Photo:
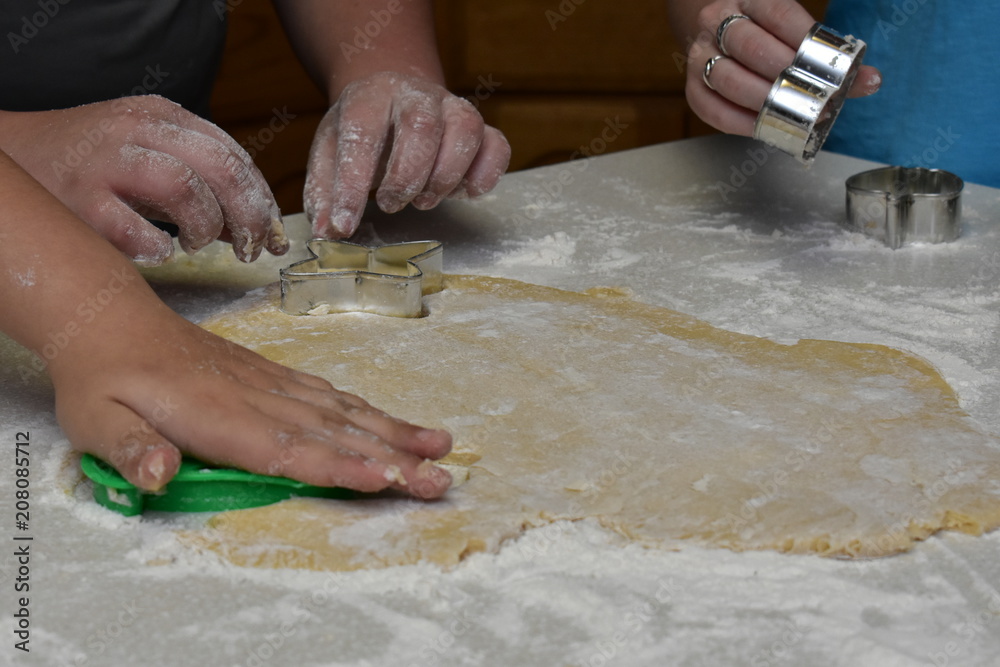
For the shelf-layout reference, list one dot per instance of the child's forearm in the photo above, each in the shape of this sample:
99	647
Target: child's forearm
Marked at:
341	42
60	279
138	385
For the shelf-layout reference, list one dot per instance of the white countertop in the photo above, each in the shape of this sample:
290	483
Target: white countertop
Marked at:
763	254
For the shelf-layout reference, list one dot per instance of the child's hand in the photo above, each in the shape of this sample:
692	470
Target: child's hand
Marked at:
136	384
412	139
160	386
114	162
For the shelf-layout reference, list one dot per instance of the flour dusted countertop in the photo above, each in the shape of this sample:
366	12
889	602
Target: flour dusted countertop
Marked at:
696	226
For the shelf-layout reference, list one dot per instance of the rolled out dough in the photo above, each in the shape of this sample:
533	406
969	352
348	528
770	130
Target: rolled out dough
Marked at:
657	425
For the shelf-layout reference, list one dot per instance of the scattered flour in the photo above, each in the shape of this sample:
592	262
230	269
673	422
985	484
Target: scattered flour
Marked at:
555	249
25	279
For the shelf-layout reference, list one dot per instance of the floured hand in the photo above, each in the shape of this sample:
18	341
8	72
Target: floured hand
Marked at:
114	162
409	138
182	389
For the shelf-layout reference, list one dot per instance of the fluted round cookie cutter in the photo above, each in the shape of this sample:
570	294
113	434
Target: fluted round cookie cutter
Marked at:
900	205
806	98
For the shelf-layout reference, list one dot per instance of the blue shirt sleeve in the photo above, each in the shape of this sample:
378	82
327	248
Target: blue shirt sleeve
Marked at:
940	98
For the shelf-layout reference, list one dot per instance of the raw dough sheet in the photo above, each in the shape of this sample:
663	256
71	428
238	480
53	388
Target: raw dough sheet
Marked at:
662	428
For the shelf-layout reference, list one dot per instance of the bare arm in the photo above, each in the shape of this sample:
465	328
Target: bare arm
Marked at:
399	38
393	127
137	384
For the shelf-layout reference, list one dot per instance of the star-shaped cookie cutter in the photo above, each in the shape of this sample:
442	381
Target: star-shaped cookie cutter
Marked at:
347	277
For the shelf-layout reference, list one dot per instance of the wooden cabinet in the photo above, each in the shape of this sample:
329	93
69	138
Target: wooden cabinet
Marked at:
560	78
561	72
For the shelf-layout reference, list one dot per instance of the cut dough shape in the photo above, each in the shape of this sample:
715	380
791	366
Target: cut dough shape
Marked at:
659	426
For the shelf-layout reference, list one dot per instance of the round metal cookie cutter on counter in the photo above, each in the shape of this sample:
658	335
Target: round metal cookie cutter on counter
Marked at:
900	205
805	99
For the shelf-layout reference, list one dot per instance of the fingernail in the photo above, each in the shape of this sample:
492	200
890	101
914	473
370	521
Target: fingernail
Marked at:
389	202
439	477
432	436
342	222
426	201
153	470
242	246
192	248
875	83
157	257
277	243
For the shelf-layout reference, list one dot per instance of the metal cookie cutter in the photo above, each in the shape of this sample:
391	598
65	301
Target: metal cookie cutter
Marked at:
805	99
347	277
901	205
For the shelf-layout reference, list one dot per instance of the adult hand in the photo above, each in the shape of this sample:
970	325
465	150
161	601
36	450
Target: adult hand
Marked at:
406	136
759	50
114	162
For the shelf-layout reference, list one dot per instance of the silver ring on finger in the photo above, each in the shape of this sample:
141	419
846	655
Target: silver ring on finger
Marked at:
720	34
707	73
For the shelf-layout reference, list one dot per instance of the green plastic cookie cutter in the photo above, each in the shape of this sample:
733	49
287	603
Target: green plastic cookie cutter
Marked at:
199	487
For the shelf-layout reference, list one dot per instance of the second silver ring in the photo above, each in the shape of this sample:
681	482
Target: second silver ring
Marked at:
707	73
720	34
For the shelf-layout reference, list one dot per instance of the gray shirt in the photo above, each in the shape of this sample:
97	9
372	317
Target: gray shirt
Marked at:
63	53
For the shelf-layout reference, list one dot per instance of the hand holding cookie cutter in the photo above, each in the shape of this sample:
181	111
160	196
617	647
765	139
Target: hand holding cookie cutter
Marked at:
805	99
347	277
